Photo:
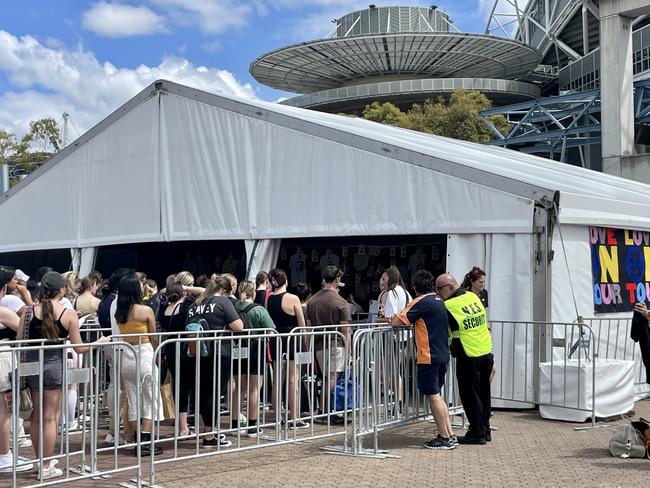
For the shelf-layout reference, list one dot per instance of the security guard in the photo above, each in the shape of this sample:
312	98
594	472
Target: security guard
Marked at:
471	345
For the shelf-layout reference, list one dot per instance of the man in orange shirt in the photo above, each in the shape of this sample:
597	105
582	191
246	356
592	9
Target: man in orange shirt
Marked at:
428	315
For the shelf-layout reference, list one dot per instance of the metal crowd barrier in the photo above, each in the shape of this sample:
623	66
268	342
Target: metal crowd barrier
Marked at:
536	362
612	341
347	383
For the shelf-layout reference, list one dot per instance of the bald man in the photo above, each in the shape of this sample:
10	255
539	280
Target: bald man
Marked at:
471	345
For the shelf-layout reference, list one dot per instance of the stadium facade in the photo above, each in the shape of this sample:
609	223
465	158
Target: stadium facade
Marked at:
398	54
539	61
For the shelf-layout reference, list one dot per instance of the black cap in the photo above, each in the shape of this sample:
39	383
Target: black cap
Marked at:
53	281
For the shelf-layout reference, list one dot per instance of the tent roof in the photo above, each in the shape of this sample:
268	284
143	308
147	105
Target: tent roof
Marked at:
143	173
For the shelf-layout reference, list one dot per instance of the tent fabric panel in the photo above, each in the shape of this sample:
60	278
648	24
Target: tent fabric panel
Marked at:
205	159
289	184
261	255
119	181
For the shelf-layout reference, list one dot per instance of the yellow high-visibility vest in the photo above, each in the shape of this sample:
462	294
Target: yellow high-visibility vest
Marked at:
471	317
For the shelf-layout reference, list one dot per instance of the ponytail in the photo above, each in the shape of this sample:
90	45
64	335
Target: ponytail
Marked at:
49	326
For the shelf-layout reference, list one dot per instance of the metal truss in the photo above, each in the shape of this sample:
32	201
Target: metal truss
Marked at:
551	126
540	23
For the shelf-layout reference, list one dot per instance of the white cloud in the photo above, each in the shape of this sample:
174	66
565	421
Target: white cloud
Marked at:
118	20
212	16
48	82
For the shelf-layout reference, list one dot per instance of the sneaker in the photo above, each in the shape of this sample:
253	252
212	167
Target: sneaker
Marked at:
110	440
235	432
472	438
50	472
24	442
23	465
254	432
216	442
454	440
298	424
440	443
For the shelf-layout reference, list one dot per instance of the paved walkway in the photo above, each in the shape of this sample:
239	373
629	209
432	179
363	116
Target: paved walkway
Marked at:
526	451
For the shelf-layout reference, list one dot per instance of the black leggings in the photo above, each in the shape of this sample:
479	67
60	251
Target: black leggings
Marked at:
185	379
211	389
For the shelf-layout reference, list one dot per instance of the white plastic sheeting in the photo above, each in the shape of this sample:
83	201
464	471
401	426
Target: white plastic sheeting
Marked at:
262	255
83	260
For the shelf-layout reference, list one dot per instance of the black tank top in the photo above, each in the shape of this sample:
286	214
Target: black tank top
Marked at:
36	328
282	320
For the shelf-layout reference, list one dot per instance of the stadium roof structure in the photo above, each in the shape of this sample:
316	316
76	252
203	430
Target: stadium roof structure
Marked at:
411	48
332	63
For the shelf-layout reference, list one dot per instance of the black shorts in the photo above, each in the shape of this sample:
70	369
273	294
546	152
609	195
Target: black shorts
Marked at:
256	360
431	378
289	349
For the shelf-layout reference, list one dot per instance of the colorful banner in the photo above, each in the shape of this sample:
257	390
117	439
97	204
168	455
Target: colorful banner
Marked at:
620	268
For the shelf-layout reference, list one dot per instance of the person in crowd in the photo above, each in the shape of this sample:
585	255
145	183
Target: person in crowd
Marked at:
132	317
249	379
429	316
9	322
327	307
474	281
34	289
105	322
142	277
216	312
185	278
202	281
53	323
354	307
42	271
149	290
173	319
396	296
71	289
87	303
471	345
262	287
16	297
285	310
233	284
303	291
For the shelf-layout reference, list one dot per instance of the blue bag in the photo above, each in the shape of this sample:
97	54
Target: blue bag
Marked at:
337	397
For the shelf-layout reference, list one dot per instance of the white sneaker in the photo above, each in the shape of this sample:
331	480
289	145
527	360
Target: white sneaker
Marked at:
23	465
242	432
110	439
50	472
24	442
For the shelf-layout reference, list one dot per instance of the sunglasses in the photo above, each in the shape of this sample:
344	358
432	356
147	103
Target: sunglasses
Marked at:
438	288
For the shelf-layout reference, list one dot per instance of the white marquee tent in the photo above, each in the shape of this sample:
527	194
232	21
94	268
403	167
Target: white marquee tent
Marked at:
214	167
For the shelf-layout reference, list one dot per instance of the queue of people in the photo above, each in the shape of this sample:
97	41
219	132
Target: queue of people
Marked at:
448	318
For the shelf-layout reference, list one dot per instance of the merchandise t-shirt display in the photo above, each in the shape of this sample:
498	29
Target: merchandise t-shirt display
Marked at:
218	312
229	265
328	259
416	262
327	307
13	302
298	268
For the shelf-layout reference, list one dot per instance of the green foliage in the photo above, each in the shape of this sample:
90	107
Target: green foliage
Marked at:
36	146
456	118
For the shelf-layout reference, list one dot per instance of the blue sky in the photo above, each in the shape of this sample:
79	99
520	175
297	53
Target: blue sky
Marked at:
88	57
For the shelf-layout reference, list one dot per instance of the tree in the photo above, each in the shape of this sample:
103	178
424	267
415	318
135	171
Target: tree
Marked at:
44	134
35	147
457	118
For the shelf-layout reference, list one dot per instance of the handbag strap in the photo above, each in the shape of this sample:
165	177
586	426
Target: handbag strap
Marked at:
29	315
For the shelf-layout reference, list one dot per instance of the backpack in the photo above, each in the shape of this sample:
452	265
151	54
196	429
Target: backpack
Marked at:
627	442
243	314
192	346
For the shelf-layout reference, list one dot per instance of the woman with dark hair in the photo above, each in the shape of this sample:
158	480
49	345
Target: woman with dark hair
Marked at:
53	323
395	291
134	318
285	310
173	319
303	291
474	281
216	312
261	287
